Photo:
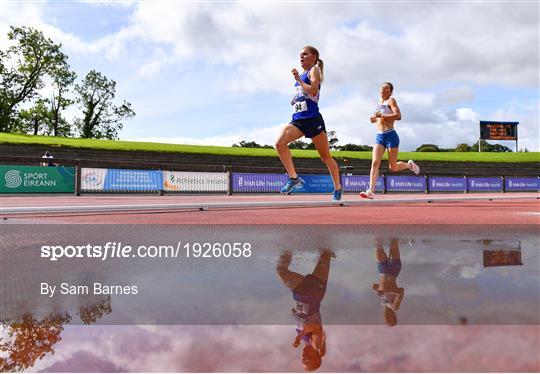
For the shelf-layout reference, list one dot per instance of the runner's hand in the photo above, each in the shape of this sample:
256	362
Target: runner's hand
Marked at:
296	75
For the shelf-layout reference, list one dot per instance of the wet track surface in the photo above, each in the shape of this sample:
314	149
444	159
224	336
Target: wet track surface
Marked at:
470	301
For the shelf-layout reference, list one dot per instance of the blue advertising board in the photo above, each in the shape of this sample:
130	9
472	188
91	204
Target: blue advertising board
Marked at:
316	183
133	180
485	184
522	184
357	183
450	184
399	183
252	182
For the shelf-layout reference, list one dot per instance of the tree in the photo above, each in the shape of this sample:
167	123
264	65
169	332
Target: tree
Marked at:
332	140
101	119
484	147
28	340
298	144
22	69
428	148
244	144
63	78
499	148
33	119
91	314
252	144
354	147
463	148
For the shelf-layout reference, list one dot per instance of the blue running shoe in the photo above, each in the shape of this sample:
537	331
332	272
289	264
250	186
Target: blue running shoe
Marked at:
291	185
336	196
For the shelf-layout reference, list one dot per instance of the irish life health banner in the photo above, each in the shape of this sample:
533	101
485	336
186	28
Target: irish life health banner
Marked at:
36	179
358	183
400	183
447	184
485	184
252	182
522	184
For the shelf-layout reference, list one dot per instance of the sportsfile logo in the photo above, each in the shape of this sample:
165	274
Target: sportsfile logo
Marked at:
13	179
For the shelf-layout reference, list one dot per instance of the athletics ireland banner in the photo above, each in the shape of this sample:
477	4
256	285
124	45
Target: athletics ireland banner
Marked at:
36	179
185	181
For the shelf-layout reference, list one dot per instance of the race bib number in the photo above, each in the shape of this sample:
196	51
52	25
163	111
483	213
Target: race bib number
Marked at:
300	106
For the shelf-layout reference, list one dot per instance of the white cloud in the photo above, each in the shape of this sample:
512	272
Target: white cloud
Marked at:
266	135
470	272
466	114
150	70
455	95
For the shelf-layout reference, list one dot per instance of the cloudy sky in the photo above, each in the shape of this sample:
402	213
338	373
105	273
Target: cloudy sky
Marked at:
219	72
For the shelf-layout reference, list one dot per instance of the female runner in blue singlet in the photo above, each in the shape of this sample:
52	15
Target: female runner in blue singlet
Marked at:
387	138
389	267
307	121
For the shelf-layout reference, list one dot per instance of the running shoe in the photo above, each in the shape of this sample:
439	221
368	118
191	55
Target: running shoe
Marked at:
292	184
367	194
336	196
415	168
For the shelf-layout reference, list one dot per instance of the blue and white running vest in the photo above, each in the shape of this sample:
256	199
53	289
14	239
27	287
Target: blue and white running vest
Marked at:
385	107
304	105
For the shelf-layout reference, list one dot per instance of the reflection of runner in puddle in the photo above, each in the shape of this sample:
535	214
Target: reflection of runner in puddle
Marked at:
387	289
308	292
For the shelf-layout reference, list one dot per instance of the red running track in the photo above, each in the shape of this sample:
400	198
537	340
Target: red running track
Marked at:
515	208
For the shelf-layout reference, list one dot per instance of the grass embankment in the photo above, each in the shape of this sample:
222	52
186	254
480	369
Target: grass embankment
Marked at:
117	145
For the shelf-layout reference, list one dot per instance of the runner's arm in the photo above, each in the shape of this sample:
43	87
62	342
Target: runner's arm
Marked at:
399	298
315	79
